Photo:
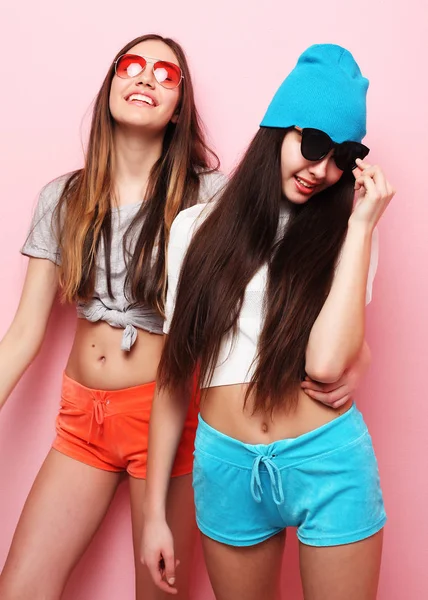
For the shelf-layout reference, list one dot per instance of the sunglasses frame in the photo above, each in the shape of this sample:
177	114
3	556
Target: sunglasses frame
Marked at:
333	145
149	61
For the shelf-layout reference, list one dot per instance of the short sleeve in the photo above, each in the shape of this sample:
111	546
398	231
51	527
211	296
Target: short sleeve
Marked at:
180	236
43	239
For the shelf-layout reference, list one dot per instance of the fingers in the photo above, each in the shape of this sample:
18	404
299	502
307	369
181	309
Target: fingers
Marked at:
390	189
361	164
316	386
365	180
377	176
162	572
158	578
329	398
359	172
342	401
375	172
356	172
331	394
169	569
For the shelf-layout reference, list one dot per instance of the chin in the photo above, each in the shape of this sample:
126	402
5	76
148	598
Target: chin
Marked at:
294	197
139	124
298	200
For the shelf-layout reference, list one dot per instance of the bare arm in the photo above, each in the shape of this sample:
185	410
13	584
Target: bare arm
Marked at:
24	337
338	333
166	425
338	393
167	420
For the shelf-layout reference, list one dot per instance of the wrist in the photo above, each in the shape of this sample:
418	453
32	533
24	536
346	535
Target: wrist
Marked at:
154	512
360	227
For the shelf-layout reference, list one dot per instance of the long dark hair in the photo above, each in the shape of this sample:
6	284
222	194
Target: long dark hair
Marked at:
236	239
173	186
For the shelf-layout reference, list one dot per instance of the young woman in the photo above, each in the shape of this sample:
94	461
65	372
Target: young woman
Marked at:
273	287
99	236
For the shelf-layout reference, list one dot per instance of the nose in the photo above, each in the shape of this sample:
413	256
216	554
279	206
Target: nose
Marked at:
319	168
146	77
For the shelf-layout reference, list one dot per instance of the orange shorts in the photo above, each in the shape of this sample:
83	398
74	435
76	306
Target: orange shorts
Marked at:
109	429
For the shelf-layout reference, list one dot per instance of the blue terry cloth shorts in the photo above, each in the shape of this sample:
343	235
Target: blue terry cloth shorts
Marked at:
325	483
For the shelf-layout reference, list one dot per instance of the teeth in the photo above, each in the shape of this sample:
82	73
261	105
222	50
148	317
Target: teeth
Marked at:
304	183
141	98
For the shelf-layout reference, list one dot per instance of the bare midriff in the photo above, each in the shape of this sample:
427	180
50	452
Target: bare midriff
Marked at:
223	409
97	361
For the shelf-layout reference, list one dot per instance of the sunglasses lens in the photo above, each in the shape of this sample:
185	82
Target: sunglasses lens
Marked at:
347	153
315	144
167	74
130	65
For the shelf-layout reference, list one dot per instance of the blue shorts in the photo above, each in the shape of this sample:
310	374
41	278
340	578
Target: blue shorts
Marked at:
325	483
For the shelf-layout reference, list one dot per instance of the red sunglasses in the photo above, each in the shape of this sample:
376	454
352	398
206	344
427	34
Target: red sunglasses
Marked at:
167	74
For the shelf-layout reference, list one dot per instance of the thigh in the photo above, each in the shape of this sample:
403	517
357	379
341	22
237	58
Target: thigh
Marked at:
337	572
65	506
250	572
181	519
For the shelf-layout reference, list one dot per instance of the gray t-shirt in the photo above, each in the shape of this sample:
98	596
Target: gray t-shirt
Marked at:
42	242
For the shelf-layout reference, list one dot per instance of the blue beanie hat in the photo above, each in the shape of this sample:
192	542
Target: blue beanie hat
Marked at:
326	91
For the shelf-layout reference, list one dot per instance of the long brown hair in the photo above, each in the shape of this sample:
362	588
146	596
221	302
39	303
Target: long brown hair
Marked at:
238	237
84	209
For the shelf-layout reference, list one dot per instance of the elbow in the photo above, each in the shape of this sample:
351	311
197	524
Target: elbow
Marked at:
324	369
324	374
25	340
328	364
34	349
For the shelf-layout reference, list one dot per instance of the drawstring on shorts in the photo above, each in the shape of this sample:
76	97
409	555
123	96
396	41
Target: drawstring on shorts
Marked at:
275	479
98	411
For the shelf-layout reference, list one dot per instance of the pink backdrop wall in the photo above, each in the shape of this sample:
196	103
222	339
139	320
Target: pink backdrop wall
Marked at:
54	56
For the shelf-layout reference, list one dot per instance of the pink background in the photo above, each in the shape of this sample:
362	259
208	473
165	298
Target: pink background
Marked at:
54	57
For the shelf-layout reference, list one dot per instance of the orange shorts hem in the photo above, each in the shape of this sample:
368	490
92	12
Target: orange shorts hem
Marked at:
109	430
70	450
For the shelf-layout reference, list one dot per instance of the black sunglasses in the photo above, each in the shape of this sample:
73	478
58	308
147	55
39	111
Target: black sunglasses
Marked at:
316	145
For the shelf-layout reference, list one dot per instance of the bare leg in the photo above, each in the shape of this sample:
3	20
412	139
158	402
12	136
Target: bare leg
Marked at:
251	572
63	511
181	520
338	572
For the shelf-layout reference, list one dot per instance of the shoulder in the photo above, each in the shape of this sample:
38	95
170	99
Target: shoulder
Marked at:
187	221
211	184
51	192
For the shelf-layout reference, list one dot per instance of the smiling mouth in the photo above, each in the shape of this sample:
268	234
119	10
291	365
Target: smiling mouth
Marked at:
141	99
306	184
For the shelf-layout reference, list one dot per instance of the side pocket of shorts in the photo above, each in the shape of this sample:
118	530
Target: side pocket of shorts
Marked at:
71	418
343	500
198	479
211	477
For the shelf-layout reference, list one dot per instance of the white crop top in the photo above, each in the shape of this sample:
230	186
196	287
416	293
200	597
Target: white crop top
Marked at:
237	353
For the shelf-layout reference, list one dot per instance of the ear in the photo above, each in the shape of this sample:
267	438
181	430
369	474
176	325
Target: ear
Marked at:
175	116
